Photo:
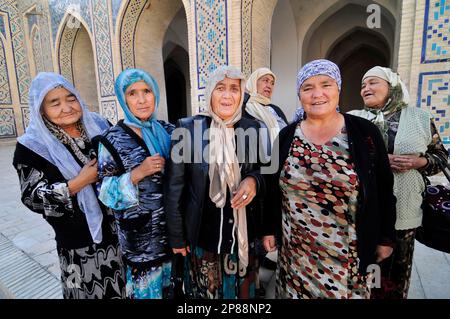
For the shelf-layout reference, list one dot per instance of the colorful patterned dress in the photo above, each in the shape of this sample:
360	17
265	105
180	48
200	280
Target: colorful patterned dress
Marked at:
318	258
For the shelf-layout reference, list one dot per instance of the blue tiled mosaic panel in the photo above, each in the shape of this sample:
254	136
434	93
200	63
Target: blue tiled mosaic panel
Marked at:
2	26
7	123
109	111
211	33
434	95
17	38
436	35
103	47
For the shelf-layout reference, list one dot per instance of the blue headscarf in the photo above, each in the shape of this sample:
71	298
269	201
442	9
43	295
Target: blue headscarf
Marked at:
313	68
41	141
155	136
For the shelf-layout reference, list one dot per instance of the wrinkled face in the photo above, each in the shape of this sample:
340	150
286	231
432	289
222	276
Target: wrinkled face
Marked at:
319	96
264	85
61	107
140	100
226	98
375	92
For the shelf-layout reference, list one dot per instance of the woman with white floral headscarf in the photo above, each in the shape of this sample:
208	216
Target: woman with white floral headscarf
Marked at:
210	199
331	198
414	149
57	167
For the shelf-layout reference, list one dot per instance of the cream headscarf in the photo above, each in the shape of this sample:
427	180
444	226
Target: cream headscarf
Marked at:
224	168
257	103
398	99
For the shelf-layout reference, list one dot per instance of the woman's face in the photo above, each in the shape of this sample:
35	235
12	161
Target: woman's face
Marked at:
226	98
140	100
319	96
61	107
375	92
264	85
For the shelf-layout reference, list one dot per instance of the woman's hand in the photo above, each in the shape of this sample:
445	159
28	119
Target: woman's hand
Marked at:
383	252
149	166
182	251
245	193
88	175
403	163
269	243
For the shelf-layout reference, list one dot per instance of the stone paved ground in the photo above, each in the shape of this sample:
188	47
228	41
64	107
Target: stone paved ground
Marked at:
33	237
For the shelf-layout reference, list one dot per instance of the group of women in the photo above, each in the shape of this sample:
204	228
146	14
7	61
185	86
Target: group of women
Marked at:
125	199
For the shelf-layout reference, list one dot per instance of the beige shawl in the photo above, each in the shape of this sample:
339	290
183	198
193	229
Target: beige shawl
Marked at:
224	171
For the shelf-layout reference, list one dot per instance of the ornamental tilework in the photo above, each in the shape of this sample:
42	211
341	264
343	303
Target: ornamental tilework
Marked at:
212	38
103	47
37	50
434	95
436	35
127	31
246	31
58	9
2	26
7	123
25	116
65	52
18	42
109	111
5	91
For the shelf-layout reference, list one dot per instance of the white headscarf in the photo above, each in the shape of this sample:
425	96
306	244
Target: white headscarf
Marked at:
39	139
257	103
389	76
224	171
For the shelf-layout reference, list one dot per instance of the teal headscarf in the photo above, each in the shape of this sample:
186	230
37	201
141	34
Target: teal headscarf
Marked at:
155	136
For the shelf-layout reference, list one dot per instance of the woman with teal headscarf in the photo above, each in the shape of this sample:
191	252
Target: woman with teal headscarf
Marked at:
131	162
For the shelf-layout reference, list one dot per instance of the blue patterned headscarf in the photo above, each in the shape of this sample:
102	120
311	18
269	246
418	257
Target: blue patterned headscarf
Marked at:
155	136
313	68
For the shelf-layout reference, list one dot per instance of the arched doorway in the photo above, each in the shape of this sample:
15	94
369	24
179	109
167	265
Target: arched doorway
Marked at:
356	53
144	30
84	69
76	60
175	90
176	68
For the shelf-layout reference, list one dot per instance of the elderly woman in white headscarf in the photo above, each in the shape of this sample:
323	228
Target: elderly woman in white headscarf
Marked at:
257	102
331	197
211	192
57	167
257	106
414	149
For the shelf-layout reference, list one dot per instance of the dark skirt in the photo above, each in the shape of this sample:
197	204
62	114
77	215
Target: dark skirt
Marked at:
396	270
218	276
93	272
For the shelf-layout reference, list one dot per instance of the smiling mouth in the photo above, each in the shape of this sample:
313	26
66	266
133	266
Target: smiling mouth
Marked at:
319	103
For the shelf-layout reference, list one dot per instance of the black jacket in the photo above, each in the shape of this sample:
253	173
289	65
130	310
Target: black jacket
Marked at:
375	218
187	182
248	116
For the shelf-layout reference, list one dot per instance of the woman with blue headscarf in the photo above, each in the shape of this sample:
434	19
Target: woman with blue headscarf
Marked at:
131	162
333	195
55	160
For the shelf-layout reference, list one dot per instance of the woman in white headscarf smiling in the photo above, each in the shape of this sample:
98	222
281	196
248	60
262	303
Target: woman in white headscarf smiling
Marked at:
55	160
414	149
210	201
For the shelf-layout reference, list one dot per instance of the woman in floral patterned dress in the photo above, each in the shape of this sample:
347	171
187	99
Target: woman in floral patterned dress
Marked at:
335	196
